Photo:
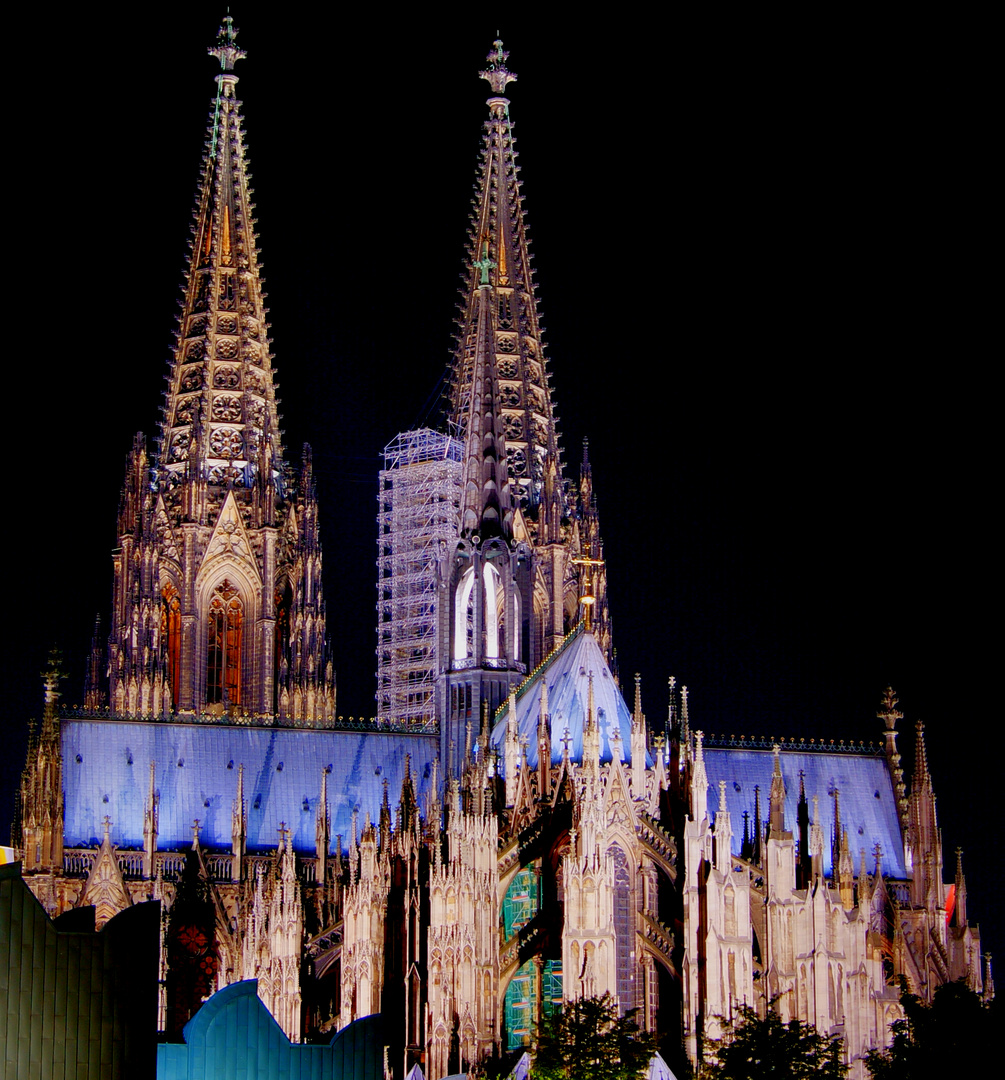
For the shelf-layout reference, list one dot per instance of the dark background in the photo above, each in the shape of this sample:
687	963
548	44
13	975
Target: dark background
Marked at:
763	265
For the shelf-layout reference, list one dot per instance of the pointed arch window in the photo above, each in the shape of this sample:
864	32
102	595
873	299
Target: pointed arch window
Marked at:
495	611
171	637
623	927
284	604
730	911
223	646
464	616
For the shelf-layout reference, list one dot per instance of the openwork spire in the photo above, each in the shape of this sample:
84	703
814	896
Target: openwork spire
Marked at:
220	425
500	401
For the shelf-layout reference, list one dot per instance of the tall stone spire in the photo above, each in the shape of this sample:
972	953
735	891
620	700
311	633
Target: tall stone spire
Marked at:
220	425
217	605
499	399
890	714
40	802
926	837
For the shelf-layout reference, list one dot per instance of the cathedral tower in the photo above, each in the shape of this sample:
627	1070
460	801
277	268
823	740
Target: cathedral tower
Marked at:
217	575
510	580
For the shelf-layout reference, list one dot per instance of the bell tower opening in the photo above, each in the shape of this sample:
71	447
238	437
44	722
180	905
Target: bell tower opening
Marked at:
223	646
171	637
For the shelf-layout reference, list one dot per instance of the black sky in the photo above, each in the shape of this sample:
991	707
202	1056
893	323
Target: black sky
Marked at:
762	264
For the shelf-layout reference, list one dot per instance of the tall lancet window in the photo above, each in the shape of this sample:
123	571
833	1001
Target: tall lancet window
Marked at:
495	612
223	645
464	616
171	637
624	928
284	602
515	654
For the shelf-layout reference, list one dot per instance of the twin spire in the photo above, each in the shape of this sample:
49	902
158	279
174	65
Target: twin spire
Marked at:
500	400
220	423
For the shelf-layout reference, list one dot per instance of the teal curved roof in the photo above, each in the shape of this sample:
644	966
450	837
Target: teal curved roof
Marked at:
235	1037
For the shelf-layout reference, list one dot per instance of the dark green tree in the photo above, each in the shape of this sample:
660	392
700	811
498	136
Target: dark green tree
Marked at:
954	1036
771	1048
587	1040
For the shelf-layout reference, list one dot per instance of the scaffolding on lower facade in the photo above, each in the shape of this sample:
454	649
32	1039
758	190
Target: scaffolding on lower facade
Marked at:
420	487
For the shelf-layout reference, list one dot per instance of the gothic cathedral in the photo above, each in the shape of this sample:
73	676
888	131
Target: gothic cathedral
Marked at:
507	835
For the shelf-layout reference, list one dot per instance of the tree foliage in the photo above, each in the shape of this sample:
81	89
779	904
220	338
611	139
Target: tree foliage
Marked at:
771	1048
954	1036
587	1040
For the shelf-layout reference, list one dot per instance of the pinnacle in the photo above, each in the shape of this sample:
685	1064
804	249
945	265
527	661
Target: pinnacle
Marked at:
497	75
226	49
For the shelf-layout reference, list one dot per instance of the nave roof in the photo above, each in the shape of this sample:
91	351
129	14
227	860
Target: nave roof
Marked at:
196	773
868	805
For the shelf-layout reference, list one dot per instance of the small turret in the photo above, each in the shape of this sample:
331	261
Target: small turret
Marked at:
150	823
776	828
723	833
890	714
41	797
816	843
638	743
845	874
322	831
959	916
544	745
758	833
94	697
699	782
804	865
511	751
925	836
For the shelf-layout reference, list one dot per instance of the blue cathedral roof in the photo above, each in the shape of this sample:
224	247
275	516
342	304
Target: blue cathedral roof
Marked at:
867	799
106	772
567	675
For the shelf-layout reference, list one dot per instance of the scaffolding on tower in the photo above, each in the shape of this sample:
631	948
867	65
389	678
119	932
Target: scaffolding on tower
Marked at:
419	497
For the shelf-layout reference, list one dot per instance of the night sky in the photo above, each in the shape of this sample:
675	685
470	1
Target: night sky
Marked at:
760	254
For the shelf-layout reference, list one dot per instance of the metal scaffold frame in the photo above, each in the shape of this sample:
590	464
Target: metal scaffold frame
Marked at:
419	497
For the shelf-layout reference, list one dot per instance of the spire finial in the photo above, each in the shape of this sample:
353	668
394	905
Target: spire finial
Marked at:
497	75
888	711
226	49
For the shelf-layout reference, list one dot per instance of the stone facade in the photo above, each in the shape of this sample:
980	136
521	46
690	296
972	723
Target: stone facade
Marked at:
538	843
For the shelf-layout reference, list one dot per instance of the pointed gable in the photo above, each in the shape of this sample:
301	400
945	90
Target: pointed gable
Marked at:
229	541
105	889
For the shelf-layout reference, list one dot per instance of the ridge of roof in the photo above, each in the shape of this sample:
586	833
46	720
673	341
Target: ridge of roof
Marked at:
769	742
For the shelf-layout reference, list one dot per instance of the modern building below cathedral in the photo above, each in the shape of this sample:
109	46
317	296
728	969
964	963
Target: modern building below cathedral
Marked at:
507	835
